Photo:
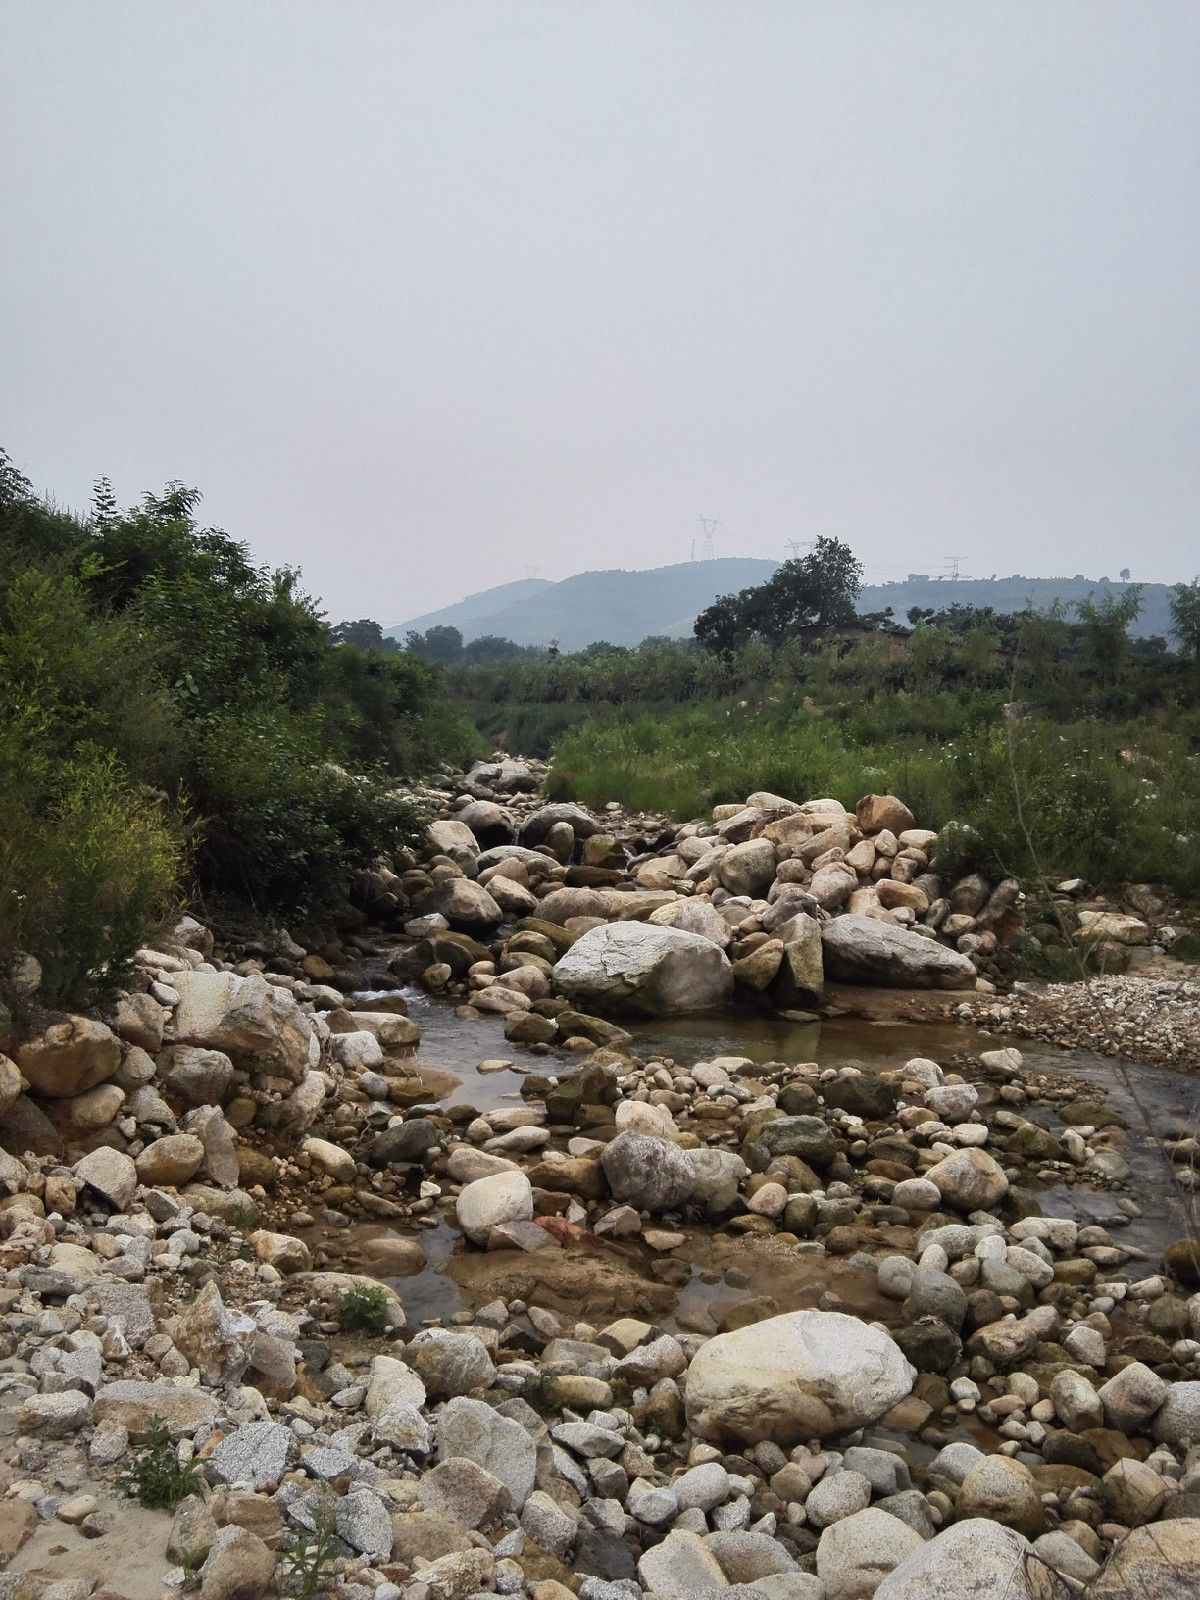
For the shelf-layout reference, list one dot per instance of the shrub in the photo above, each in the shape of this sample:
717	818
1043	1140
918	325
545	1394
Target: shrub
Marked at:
155	1476
362	1310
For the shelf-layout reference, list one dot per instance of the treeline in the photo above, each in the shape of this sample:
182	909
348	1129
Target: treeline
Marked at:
177	722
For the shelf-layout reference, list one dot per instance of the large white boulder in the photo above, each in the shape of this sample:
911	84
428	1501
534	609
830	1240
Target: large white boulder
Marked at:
799	1376
489	1202
257	1024
634	967
865	950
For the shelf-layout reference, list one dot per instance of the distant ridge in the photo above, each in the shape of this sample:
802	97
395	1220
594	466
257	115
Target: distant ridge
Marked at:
627	607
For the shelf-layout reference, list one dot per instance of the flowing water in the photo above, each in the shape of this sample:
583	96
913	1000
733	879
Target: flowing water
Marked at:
714	1267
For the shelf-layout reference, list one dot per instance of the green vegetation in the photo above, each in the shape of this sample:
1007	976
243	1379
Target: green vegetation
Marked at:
154	1476
176	722
362	1310
308	1554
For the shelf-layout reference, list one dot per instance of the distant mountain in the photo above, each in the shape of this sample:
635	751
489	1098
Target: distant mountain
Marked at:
627	607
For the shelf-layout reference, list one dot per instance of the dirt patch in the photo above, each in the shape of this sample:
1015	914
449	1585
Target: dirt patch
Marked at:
592	1283
129	1560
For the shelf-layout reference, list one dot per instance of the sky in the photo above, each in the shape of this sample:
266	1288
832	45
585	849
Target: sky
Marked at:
430	296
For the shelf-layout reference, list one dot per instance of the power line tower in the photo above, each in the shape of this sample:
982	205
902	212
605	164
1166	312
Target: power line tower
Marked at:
710	526
794	547
952	563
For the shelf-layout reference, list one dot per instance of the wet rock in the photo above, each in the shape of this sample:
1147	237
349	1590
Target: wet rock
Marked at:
809	1138
649	1173
636	968
794	1377
465	904
407	1142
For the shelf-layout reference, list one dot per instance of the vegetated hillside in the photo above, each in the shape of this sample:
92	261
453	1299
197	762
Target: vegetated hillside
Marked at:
466	615
627	607
622	607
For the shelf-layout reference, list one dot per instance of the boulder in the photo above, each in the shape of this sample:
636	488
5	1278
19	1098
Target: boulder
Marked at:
860	949
1003	1490
488	1202
69	1057
473	1430
803	1375
748	868
198	1077
465	904
637	968
856	1552
171	1160
875	812
449	838
258	1025
974	1560
538	823
695	916
647	1172
1159	1562
111	1174
969	1180
212	1336
449	1363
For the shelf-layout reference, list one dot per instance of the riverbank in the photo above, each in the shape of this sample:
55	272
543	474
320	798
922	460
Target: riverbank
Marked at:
1151	1020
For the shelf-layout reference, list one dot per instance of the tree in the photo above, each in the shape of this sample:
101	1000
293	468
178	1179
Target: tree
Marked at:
364	633
817	590
1106	629
1185	618
435	644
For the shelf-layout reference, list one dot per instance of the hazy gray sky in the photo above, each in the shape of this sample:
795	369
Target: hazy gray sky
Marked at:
424	295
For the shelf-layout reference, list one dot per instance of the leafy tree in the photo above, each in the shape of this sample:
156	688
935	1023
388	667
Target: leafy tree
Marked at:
1106	629
1185	618
364	633
816	590
435	644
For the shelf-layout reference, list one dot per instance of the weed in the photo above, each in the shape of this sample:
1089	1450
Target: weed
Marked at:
155	1475
539	1392
308	1554
362	1310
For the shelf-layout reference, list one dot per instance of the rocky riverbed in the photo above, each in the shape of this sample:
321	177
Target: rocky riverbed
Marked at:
493	1294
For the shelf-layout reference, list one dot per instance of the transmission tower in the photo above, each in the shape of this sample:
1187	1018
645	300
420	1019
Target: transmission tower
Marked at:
710	526
952	562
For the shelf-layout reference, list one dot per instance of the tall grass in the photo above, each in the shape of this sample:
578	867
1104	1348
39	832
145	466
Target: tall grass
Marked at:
1104	802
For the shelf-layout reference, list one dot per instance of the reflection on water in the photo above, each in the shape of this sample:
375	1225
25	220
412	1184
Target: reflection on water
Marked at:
1169	1100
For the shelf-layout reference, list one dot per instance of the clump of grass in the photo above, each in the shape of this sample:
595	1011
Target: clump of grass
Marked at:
155	1476
362	1310
308	1554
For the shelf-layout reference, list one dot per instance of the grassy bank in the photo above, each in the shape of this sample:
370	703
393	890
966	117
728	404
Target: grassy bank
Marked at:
1103	801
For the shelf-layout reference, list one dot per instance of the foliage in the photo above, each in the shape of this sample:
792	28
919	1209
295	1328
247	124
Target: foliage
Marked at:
154	1474
362	1310
818	590
1185	617
308	1554
175	719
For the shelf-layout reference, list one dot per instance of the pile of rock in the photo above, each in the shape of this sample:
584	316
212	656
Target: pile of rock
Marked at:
639	915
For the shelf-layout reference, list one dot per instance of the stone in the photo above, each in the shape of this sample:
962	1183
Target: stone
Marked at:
1160	1562
681	1566
701	1488
258	1455
212	1337
406	1143
183	1407
281	1251
716	1179
1076	1401
1003	1490
647	1172
969	1180
858	1551
171	1160
458	1574
861	949
198	1077
449	1363
790	1378
974	1560
490	1202
110	1173
257	1024
748	868
1177	1420
1132	1397
239	1566
473	1430
69	1057
629	967
875	812
87	1112
809	1138
55	1416
18	1519
838	1495
549	1523
1133	1492
747	1555
192	1531
466	905
466	1492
